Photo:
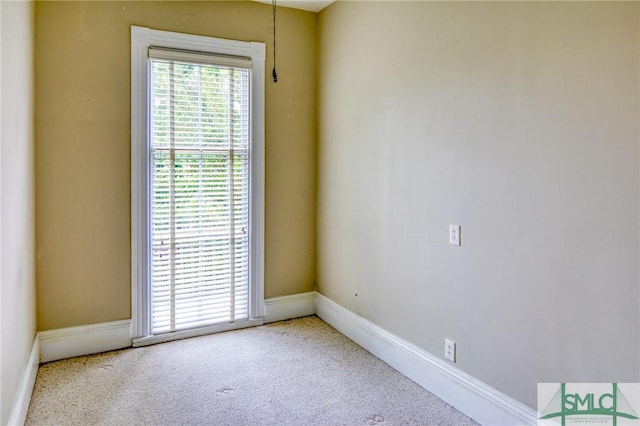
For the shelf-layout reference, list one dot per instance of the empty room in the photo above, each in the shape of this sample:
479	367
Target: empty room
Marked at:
320	212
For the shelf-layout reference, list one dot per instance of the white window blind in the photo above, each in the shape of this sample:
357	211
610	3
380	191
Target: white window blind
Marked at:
200	139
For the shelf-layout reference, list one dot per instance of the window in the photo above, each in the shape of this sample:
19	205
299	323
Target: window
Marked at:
197	185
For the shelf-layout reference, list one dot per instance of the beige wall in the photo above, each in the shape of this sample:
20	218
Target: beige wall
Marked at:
517	121
17	225
83	148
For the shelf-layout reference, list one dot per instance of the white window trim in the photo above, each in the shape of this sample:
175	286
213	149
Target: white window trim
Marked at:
141	39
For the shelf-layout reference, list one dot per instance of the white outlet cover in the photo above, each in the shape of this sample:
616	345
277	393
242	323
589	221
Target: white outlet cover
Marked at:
450	350
454	235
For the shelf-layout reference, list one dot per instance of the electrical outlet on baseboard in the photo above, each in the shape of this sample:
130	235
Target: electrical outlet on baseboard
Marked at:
450	350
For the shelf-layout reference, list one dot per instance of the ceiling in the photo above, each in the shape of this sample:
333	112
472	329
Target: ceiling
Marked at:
310	5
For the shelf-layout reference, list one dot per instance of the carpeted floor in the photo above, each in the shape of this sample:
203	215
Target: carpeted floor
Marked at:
298	372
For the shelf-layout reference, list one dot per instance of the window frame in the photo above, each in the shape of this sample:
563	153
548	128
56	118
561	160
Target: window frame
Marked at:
141	39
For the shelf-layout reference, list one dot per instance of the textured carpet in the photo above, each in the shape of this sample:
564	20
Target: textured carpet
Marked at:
298	372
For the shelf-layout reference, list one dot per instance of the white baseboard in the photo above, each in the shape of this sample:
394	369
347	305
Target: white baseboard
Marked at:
288	307
84	340
474	398
25	388
95	338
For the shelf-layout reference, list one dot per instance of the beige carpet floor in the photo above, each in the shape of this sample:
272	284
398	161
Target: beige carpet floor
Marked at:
298	372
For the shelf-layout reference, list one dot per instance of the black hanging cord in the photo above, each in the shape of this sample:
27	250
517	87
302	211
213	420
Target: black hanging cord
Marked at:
274	74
